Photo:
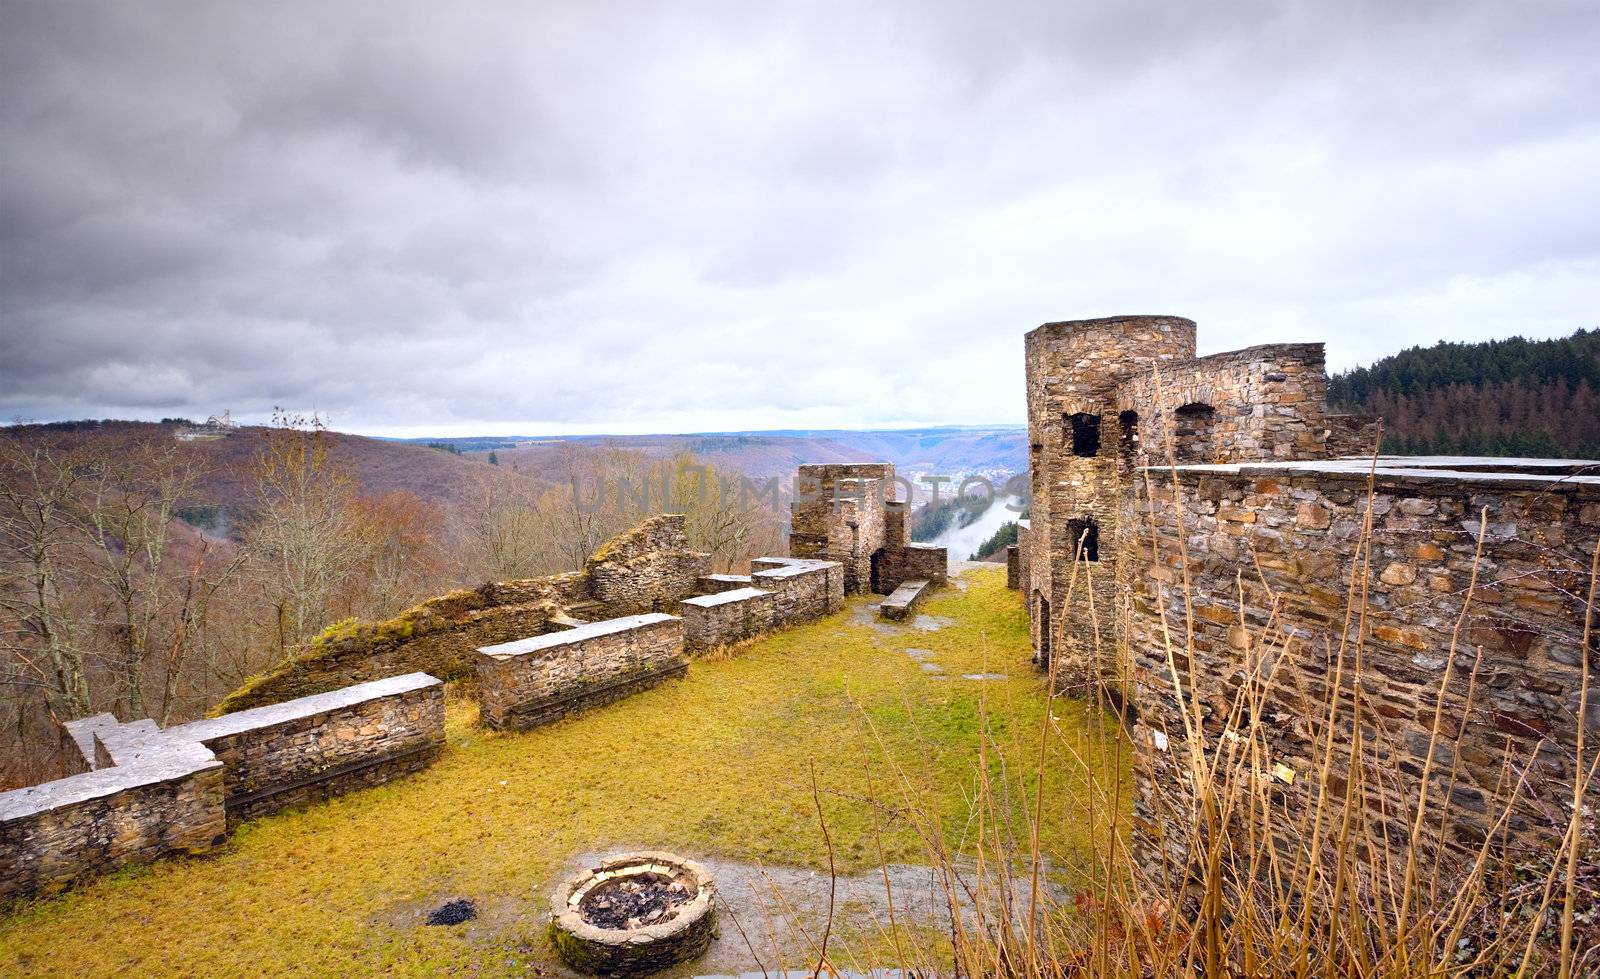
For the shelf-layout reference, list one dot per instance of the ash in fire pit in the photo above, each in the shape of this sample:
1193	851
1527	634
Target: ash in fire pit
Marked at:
629	902
634	914
453	913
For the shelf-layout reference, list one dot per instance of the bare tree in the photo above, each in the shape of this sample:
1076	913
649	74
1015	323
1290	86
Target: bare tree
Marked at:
40	481
304	537
126	513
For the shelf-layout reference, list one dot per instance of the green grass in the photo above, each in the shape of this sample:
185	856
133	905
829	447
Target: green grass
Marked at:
713	764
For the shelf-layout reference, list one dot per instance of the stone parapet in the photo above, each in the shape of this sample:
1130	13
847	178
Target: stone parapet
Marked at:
541	679
722	619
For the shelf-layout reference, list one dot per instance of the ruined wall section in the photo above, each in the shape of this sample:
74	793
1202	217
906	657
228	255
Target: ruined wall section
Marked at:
839	516
1260	403
320	746
1074	371
1289	537
147	792
649	568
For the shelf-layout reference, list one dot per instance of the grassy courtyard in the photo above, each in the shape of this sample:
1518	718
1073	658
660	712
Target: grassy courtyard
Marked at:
716	764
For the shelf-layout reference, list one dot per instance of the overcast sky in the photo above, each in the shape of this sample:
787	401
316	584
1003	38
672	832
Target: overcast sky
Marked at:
458	218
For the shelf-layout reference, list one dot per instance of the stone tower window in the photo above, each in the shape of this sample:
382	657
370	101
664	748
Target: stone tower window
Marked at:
1194	433
1084	538
1085	434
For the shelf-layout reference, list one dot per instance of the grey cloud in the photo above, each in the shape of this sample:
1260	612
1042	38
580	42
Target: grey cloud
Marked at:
498	216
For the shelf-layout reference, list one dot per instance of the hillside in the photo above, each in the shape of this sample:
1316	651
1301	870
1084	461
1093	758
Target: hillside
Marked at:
378	466
1500	397
943	450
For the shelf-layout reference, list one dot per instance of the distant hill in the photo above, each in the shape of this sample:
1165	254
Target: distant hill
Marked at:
1501	397
942	450
379	466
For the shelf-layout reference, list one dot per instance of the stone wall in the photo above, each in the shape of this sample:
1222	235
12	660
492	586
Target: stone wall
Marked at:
925	562
722	619
803	589
649	568
1263	402
148	792
1269	553
541	679
57	832
319	746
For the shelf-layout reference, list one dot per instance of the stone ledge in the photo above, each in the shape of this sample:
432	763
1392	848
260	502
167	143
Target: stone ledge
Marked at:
179	760
727	597
289	710
900	604
553	640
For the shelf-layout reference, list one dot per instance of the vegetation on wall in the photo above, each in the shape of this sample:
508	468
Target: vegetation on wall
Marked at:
1499	397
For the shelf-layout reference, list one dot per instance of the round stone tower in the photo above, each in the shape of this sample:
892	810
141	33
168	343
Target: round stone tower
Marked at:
1082	453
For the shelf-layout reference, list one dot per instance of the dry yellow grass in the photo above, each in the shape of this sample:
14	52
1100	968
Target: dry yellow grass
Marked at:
714	764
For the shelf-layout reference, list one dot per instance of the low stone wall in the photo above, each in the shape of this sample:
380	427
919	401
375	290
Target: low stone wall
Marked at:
1013	568
538	680
1269	554
57	832
148	792
805	589
725	618
925	562
319	746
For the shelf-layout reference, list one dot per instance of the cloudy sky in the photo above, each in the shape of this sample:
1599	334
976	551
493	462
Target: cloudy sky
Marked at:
463	218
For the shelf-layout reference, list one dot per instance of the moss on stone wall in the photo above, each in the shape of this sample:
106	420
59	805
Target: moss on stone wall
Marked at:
648	568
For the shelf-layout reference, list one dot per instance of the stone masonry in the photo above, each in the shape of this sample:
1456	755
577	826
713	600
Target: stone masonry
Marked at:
1270	555
144	793
1167	485
540	679
847	512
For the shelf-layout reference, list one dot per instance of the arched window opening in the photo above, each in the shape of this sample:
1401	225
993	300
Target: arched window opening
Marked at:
1194	433
1085	433
1084	536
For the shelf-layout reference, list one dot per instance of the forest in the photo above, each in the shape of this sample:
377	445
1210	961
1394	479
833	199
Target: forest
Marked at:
149	576
1500	397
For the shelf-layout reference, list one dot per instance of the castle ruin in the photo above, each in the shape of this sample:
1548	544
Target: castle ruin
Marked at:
1203	524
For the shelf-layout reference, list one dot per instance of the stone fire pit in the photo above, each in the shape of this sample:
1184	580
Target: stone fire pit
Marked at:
633	914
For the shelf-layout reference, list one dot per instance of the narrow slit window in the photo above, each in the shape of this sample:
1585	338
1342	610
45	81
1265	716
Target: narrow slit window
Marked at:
1128	433
1085	429
1194	433
1085	539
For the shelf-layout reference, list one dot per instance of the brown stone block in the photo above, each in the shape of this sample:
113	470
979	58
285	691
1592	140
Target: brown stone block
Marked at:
1423	551
1399	574
1403	637
1312	516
